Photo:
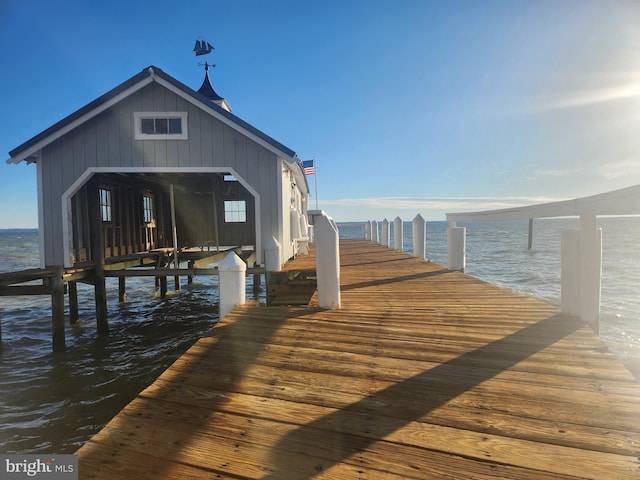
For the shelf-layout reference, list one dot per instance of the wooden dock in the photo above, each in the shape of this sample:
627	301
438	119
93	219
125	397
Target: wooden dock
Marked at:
424	373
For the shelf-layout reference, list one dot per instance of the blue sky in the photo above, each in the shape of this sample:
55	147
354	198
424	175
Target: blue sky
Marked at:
408	106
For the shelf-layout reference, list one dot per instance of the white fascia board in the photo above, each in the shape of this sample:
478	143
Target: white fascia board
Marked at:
79	121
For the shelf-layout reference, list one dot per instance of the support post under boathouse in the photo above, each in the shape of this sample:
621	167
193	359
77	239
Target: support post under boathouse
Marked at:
98	256
188	182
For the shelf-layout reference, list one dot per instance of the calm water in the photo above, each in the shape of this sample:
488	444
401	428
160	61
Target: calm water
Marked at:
54	403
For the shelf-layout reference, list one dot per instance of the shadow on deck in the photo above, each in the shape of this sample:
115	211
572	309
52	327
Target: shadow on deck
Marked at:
425	373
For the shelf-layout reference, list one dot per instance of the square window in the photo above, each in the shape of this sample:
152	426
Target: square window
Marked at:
235	211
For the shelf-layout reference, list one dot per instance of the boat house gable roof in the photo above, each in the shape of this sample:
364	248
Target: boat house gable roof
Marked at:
28	151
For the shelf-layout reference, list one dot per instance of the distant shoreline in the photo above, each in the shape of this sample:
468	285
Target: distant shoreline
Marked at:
18	230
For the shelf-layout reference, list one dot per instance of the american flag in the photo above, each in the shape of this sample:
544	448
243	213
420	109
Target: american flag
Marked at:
308	167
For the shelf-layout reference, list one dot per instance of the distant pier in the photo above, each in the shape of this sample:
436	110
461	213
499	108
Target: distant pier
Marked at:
423	372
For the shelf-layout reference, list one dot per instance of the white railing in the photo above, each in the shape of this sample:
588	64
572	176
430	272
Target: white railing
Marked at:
581	251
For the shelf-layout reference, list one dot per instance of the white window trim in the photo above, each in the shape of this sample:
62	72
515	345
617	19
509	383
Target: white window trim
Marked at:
137	126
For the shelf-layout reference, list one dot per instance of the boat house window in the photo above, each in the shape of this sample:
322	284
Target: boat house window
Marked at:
105	205
160	125
147	208
235	211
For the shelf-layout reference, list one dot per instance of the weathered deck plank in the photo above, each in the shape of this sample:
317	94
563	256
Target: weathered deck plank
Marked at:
424	373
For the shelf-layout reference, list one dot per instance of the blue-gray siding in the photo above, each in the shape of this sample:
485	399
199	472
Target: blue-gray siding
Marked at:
107	140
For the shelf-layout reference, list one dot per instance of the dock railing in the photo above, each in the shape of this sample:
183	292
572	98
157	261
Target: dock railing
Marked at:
581	248
418	233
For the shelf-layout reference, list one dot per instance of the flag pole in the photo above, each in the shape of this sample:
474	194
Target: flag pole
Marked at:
315	179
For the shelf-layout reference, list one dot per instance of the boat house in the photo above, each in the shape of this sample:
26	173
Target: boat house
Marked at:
153	165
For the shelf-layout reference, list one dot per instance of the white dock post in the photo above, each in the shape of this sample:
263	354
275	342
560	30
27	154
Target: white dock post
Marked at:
419	230
590	271
272	256
367	230
456	248
398	233
232	284
374	231
581	276
569	271
386	237
327	259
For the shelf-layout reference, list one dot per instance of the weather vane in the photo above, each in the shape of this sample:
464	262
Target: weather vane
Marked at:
202	47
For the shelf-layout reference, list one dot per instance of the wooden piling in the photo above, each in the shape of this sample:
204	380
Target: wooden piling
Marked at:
190	264
57	310
100	290
530	243
122	290
97	255
163	287
74	315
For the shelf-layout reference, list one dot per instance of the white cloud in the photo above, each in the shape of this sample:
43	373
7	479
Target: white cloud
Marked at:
438	203
587	89
561	172
626	168
589	97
